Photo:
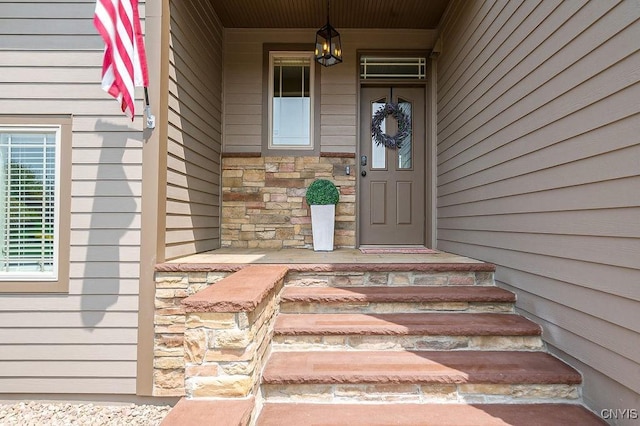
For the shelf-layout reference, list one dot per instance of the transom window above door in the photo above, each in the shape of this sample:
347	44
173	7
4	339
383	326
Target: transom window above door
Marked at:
291	100
392	67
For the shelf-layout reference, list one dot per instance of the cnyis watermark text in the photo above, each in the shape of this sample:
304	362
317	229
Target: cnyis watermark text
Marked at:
619	414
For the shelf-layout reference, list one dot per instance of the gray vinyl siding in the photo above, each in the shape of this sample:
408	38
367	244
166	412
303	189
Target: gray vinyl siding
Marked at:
195	125
538	159
338	85
83	341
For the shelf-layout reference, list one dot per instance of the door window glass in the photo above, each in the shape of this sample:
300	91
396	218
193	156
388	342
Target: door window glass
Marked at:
378	152
405	150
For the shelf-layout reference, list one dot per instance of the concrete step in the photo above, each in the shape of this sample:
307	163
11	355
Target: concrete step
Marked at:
397	299
419	376
431	331
426	415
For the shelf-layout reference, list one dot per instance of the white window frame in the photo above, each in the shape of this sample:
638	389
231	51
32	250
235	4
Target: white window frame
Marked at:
292	54
44	276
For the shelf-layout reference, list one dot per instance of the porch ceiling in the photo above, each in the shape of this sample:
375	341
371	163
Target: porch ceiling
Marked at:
414	14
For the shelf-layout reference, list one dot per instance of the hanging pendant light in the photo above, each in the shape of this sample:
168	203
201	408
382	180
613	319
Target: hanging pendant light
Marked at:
328	44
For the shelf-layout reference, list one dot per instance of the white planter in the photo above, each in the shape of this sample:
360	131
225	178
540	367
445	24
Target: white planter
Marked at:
323	225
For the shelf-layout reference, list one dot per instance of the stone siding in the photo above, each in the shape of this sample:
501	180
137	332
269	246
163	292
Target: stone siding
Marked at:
212	351
390	278
170	325
422	393
225	352
264	206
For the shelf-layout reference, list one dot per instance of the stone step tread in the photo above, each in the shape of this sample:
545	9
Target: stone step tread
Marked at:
487	367
430	324
413	294
277	414
198	412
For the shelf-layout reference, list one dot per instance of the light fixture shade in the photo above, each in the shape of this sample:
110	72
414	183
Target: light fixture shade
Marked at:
328	46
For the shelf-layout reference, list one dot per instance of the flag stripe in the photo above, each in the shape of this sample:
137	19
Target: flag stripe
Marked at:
125	64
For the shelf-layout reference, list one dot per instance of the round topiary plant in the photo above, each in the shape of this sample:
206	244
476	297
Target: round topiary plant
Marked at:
322	191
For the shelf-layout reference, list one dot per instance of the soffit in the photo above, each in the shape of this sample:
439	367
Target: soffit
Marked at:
413	14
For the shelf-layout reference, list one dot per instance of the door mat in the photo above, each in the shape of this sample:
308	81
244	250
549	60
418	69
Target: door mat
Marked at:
398	250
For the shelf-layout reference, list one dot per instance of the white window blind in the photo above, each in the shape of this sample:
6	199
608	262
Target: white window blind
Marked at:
291	104
28	179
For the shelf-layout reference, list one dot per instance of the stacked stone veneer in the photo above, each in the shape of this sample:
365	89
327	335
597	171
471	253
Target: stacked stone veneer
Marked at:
403	275
172	287
218	351
214	343
264	206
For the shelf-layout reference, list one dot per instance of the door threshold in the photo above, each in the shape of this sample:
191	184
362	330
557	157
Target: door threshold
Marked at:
368	246
399	249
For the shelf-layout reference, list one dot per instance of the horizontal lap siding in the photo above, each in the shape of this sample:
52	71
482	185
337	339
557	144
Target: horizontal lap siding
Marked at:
338	84
195	129
83	341
539	170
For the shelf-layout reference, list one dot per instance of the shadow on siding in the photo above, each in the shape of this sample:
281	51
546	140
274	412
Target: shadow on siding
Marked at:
113	211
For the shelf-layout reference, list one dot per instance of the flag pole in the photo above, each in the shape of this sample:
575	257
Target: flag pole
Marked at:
151	119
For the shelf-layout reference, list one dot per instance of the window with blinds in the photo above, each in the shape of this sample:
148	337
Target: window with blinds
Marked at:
28	202
291	100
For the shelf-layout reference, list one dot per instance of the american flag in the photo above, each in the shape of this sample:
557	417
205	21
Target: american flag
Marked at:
125	62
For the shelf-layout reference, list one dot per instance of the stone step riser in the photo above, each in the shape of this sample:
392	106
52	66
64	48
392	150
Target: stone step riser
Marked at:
295	413
421	393
394	307
402	278
398	343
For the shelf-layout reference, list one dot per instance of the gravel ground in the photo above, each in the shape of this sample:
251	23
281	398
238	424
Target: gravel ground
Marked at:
64	414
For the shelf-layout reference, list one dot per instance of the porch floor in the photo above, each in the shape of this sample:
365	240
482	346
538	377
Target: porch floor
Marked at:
306	256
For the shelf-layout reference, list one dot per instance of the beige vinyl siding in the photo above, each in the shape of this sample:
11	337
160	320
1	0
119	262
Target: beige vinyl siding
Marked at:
195	124
83	341
338	93
539	170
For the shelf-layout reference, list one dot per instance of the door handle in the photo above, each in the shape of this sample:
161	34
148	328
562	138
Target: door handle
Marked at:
363	160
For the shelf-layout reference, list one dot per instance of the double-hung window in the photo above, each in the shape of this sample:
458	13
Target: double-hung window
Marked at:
30	201
291	100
